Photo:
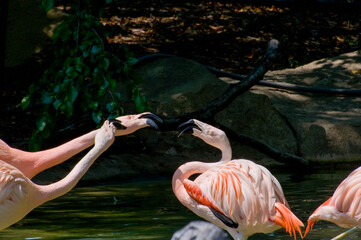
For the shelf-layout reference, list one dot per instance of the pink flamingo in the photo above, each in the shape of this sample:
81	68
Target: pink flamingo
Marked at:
31	163
239	196
344	207
19	195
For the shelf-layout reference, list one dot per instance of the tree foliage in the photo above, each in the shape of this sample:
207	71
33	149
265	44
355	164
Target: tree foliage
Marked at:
83	77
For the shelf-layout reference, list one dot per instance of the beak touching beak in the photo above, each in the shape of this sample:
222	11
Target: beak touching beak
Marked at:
128	124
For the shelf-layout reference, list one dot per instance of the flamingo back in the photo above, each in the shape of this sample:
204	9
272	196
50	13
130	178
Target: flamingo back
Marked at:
347	197
245	192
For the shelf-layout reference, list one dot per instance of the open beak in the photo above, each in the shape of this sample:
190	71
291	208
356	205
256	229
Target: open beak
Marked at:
152	120
188	127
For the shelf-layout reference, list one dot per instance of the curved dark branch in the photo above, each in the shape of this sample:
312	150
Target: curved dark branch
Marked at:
207	112
218	104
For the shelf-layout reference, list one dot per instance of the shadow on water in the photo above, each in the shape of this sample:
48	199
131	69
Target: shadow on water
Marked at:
149	210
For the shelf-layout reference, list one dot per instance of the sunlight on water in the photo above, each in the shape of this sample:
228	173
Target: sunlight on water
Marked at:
148	210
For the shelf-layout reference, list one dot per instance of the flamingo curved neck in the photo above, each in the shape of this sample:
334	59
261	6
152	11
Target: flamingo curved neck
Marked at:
49	158
31	163
184	172
63	186
226	154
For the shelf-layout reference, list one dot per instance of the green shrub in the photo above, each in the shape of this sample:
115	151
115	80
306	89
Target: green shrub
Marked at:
83	77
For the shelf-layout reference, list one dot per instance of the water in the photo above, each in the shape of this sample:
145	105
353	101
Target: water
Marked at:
149	210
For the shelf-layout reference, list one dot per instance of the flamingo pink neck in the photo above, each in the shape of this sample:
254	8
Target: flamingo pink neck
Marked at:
63	186
31	163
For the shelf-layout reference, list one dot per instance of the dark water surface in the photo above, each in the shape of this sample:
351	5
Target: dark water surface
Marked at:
149	210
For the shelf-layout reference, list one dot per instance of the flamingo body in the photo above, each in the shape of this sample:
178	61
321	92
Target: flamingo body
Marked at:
239	196
344	207
16	195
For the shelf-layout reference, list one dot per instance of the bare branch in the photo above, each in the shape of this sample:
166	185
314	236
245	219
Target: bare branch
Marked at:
218	104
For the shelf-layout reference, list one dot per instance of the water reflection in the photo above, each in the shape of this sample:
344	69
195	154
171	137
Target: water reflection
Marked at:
149	210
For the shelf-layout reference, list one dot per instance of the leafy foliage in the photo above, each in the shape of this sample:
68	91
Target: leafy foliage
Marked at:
83	77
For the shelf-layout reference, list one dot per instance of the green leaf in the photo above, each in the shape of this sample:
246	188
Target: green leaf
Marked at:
47	4
73	93
46	98
108	1
104	63
85	54
111	106
68	110
112	83
86	71
93	105
96	117
139	102
56	104
95	50
25	102
32	88
132	60
117	96
57	89
126	69
41	123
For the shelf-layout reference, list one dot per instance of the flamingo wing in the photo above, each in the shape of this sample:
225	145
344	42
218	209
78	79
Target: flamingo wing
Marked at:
237	190
244	195
347	196
196	193
12	184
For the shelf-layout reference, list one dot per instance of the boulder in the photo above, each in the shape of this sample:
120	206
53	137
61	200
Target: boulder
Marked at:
318	127
326	126
200	230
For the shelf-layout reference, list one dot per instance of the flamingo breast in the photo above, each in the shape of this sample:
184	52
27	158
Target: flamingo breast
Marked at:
14	195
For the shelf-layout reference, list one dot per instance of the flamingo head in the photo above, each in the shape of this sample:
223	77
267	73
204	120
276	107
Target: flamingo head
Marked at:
310	224
209	134
130	123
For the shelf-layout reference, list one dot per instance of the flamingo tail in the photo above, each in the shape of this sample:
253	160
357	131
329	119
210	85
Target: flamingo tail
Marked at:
287	220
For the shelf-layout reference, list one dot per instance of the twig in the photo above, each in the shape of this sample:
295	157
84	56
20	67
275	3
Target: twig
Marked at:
100	39
345	234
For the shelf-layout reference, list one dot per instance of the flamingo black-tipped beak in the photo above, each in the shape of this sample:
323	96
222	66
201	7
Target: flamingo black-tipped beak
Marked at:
188	127
118	124
152	120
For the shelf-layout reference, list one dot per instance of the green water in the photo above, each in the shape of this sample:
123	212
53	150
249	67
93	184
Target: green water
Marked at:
149	210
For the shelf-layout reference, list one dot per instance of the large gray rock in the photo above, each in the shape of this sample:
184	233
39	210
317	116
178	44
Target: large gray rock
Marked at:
318	127
200	230
176	86
327	127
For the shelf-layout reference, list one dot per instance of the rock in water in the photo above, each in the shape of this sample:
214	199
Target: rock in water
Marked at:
200	230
